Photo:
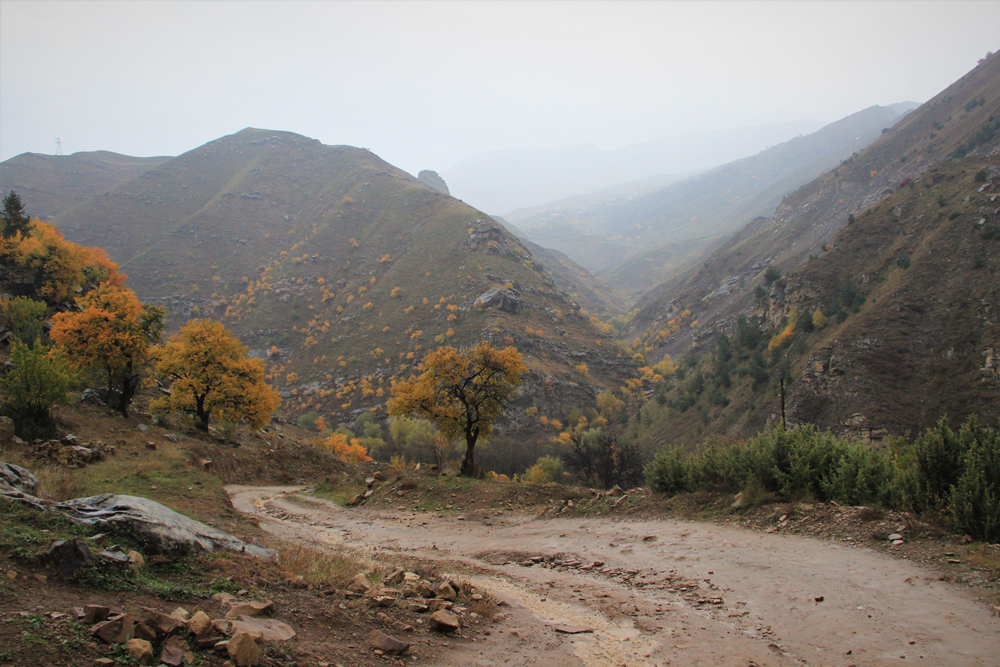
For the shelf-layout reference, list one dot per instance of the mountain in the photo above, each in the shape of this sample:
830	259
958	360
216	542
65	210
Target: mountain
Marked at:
506	180
341	271
897	250
635	241
50	184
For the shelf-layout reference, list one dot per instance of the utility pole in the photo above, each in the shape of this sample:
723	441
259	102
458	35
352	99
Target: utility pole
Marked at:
58	146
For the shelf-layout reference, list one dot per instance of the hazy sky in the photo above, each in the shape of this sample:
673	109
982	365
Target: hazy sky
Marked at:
424	84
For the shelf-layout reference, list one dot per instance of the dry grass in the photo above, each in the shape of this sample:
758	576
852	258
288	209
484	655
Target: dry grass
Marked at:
330	568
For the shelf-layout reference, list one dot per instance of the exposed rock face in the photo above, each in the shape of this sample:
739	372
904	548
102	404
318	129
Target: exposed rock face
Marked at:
160	529
432	179
17	479
506	300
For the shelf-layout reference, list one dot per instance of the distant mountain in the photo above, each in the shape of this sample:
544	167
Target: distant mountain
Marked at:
897	248
633	241
341	271
50	184
503	181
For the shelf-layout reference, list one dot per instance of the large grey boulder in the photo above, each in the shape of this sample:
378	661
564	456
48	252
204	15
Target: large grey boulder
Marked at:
157	527
16	479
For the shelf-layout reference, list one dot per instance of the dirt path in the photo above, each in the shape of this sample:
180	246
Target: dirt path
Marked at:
669	592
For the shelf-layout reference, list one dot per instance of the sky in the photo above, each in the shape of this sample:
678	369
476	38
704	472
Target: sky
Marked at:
426	84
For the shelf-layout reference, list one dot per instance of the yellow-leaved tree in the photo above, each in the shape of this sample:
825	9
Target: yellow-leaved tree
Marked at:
461	392
113	334
210	375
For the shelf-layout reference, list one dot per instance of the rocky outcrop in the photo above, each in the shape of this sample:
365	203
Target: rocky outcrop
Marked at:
158	528
432	179
508	301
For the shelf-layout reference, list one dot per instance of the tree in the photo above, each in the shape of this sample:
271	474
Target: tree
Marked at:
461	392
14	219
210	374
113	334
38	380
605	458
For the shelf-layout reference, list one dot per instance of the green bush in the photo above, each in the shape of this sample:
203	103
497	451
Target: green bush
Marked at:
667	473
944	473
25	317
38	381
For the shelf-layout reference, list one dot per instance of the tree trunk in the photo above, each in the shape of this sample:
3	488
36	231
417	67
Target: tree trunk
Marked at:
469	463
202	422
129	385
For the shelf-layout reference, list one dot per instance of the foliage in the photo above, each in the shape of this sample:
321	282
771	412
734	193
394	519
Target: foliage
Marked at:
25	317
605	459
772	274
210	374
111	333
348	450
461	392
610	406
39	380
13	219
546	469
956	474
58	269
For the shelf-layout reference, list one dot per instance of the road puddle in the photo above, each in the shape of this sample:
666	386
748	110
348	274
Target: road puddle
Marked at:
609	642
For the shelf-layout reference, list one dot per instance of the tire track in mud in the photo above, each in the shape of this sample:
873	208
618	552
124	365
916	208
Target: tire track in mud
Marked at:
666	592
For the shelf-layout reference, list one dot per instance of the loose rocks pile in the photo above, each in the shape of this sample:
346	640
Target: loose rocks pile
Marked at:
180	635
70	453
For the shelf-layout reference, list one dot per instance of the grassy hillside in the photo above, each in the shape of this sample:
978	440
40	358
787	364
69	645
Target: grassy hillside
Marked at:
51	184
341	271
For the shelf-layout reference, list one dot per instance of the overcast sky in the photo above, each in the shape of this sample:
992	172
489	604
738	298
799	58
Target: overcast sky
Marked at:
424	84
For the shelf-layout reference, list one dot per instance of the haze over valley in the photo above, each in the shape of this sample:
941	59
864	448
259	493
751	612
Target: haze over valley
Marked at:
506	333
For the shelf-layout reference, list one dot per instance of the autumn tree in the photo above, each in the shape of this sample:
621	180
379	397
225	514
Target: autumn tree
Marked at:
112	334
210	375
461	392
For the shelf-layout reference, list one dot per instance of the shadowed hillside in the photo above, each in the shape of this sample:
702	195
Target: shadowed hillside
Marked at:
897	251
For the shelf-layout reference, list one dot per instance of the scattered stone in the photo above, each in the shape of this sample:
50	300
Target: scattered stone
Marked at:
445	621
200	623
143	631
70	555
386	643
360	584
268	629
444	591
173	651
104	662
163	624
570	630
181	614
16	479
819	598
243	650
141	650
894	537
117	630
650	538
118	557
355	499
616	491
250	609
136	560
379	476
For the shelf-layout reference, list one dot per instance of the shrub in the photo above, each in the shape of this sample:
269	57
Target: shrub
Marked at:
546	469
667	473
903	261
38	381
771	275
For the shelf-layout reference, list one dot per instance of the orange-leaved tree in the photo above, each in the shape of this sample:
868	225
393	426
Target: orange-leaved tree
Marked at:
210	374
461	392
348	450
56	269
113	334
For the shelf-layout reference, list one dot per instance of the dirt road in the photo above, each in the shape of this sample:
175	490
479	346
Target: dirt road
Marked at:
669	592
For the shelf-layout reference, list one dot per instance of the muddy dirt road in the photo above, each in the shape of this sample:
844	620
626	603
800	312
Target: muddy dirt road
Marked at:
668	593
